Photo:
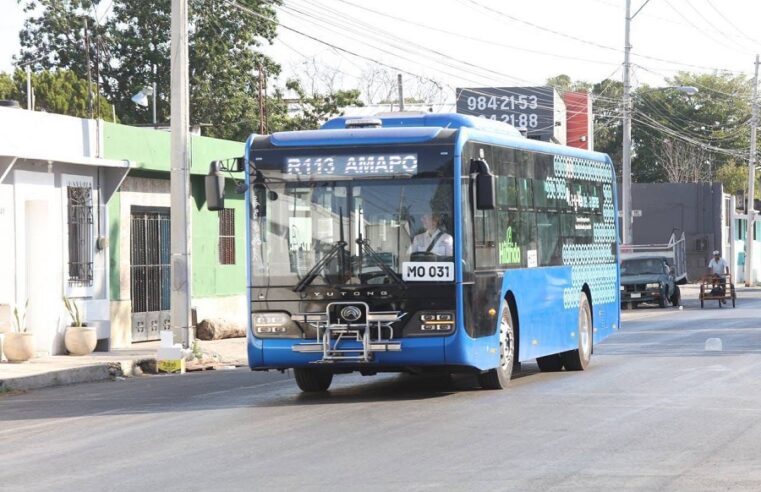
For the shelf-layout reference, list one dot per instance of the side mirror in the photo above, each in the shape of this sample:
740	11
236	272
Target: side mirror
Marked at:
486	189
215	187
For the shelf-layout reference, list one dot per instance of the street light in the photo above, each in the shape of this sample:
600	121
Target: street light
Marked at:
141	99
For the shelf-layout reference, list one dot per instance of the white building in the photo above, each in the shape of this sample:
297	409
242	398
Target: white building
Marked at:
53	229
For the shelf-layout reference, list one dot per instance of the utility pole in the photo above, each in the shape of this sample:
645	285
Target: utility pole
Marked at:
29	98
401	92
750	212
626	171
89	75
180	298
262	107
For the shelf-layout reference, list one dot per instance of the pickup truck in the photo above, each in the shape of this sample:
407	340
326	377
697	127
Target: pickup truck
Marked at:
648	279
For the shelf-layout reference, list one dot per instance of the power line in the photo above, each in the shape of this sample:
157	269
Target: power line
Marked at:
353	24
734	26
704	32
587	42
473	38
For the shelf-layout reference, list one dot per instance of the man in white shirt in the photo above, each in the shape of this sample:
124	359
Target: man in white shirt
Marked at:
718	266
719	269
433	239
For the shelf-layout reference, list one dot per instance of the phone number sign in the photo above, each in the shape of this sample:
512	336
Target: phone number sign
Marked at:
527	108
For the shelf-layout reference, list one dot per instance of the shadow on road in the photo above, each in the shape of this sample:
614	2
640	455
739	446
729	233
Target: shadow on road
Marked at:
230	389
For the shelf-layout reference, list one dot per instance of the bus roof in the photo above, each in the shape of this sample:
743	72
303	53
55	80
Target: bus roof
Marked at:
412	128
436	120
395	128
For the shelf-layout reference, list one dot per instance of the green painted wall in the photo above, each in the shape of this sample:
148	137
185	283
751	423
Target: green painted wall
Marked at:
114	241
149	150
210	278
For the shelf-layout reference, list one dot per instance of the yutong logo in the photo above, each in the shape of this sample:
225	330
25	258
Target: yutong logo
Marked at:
351	313
339	294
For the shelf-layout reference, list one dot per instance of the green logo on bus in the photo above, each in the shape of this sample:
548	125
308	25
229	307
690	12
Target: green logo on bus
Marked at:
508	251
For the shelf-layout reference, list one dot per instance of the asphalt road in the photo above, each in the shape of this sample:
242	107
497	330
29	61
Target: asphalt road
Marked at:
655	411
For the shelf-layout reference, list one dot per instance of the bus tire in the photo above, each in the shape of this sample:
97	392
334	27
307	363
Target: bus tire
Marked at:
499	377
578	359
311	380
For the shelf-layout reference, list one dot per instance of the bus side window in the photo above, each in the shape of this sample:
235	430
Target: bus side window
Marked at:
548	234
568	228
525	193
527	232
507	193
540	195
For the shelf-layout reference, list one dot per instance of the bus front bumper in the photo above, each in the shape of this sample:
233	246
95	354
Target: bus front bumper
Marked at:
289	353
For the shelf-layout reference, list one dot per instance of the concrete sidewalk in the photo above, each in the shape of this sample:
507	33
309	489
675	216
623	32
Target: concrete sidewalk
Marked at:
41	372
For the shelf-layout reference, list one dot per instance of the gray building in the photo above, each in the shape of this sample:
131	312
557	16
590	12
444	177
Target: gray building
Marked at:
700	210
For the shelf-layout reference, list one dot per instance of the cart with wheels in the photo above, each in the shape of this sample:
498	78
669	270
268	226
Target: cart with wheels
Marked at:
715	288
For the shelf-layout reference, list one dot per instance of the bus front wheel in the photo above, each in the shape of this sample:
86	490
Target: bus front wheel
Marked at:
499	377
311	380
578	359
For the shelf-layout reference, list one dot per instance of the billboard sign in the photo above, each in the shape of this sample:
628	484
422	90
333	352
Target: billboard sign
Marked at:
527	108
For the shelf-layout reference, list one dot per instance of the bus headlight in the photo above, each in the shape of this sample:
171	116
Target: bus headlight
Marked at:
653	286
433	323
275	325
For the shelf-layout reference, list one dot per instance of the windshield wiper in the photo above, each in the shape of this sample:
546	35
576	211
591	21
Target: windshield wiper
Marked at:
339	248
366	248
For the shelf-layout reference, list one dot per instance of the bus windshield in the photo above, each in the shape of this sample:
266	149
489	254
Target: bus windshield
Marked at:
359	231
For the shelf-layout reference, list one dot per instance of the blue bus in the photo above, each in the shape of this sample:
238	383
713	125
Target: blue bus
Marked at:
424	242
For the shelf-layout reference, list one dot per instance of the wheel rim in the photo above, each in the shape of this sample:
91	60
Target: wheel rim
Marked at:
584	332
505	344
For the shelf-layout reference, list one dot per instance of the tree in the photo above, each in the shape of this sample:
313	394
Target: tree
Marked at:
55	37
680	162
734	177
713	121
606	106
315	109
563	83
133	52
6	86
59	91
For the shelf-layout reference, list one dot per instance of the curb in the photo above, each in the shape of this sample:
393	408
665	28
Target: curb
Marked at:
75	375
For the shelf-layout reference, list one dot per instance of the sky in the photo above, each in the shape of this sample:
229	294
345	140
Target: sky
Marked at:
479	43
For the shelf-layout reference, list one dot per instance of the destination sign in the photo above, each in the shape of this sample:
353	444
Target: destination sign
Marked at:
349	166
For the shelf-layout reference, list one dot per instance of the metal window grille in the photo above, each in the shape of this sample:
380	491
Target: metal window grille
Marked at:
80	234
227	236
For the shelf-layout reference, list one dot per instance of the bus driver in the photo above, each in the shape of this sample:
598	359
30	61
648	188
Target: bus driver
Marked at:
434	239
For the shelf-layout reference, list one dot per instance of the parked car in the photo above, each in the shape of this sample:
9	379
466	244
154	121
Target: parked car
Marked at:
648	279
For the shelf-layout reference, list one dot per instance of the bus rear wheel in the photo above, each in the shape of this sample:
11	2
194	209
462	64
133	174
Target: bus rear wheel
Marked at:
499	377
311	380
578	359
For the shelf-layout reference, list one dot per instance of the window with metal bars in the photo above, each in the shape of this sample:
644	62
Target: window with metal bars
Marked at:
227	236
80	223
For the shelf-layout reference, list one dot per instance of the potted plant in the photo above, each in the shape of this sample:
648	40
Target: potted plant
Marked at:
19	344
79	339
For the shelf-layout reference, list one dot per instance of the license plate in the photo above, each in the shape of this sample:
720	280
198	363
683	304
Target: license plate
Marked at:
635	295
421	271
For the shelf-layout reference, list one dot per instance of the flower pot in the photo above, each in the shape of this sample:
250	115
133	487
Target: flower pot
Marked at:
80	340
18	347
